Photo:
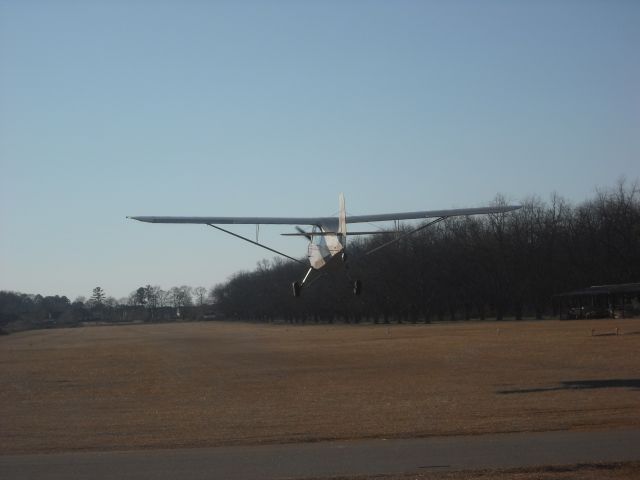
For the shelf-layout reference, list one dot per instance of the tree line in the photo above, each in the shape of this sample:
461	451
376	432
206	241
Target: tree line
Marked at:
490	266
148	303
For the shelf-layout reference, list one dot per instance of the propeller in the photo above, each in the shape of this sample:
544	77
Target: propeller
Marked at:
300	230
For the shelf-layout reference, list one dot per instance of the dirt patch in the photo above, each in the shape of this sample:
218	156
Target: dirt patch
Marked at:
210	384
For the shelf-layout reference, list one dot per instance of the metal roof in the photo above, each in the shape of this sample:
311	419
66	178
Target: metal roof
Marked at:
603	290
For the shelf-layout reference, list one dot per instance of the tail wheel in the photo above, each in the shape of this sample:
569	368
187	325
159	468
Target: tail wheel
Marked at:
357	287
296	287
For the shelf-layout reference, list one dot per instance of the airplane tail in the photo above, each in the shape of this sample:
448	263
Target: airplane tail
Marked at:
342	219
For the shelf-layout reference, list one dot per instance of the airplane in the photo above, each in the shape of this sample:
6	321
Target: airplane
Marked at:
327	249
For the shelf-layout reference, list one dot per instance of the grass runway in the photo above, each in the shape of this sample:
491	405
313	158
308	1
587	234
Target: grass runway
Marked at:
211	384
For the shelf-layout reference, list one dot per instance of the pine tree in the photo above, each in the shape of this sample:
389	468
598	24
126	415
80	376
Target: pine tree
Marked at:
98	295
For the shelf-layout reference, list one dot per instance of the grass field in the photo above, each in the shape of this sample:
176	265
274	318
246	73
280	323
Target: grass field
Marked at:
209	384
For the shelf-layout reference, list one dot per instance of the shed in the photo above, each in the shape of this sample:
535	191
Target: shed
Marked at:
600	301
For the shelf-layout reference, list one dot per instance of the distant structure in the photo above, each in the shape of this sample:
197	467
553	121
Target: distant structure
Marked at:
600	301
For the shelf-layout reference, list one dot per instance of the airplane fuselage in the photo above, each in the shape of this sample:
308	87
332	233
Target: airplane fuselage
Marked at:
325	249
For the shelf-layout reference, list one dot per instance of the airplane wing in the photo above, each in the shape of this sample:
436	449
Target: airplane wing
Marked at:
240	220
323	221
456	212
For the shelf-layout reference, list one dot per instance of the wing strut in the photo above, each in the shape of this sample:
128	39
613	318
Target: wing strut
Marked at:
255	243
391	242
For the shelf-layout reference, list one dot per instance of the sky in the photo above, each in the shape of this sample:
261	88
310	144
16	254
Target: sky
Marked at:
250	108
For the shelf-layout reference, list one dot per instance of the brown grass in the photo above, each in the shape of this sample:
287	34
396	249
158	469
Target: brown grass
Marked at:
209	384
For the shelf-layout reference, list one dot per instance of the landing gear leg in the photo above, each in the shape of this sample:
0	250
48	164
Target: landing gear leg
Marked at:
297	286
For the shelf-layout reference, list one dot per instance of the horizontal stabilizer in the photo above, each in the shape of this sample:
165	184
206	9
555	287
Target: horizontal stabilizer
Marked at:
306	234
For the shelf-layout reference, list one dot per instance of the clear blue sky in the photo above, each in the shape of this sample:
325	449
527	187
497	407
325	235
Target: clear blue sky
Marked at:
119	108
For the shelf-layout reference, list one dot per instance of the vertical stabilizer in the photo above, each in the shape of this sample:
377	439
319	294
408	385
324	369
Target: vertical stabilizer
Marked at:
342	219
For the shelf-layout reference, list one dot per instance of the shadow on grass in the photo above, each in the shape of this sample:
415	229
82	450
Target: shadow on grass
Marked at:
630	383
613	334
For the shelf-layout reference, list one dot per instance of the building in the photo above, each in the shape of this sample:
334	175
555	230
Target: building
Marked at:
600	301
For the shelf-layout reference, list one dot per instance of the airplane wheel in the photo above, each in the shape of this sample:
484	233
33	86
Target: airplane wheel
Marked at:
357	287
296	288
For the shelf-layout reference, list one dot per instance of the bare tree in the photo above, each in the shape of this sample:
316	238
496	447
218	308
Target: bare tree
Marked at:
200	294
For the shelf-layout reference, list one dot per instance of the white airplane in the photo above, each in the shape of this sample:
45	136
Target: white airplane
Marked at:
327	248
